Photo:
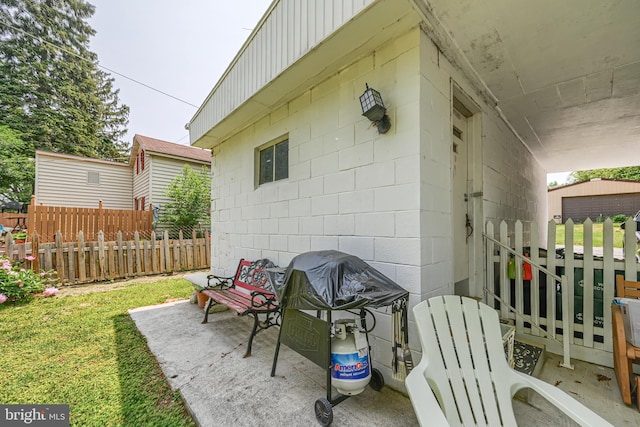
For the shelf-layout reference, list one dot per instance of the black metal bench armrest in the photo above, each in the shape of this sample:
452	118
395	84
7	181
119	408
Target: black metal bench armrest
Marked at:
219	282
263	299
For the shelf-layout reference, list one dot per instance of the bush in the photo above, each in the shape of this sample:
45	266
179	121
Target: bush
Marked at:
619	218
18	284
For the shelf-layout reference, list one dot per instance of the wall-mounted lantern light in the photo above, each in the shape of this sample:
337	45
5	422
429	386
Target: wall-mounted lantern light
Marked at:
373	109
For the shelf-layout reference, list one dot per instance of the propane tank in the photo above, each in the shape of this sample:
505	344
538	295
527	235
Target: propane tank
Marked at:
350	366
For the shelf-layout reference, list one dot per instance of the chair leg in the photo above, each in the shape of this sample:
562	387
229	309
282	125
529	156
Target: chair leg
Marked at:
621	364
637	389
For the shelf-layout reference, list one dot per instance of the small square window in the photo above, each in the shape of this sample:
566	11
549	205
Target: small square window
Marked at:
93	178
274	162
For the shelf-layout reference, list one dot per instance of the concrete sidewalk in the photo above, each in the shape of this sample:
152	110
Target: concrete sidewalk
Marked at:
204	362
220	388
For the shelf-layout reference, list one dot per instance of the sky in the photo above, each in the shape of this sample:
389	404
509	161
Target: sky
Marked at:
180	48
560	178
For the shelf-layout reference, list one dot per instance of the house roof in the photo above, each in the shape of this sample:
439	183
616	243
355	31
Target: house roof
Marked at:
158	146
632	184
40	153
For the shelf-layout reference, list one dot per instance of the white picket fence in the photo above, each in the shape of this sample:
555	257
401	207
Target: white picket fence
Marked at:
581	327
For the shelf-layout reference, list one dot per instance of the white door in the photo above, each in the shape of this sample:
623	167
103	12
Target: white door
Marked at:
461	219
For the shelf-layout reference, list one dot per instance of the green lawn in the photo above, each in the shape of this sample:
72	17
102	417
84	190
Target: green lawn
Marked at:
86	351
578	235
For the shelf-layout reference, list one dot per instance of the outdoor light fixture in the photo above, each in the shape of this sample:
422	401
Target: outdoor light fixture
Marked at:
373	109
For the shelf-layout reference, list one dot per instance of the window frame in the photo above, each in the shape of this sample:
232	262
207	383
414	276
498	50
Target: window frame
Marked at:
258	161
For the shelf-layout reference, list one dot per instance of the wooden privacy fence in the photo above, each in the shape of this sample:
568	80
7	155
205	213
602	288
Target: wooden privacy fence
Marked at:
82	261
48	220
535	299
10	220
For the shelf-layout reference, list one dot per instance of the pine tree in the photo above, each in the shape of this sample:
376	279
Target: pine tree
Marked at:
16	168
51	89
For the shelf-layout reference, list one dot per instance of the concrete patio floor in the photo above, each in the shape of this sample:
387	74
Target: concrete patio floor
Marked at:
221	388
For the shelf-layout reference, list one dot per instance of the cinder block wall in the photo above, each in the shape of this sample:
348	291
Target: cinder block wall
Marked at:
385	198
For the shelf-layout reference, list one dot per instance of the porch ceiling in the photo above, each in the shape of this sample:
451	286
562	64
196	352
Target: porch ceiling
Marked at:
566	75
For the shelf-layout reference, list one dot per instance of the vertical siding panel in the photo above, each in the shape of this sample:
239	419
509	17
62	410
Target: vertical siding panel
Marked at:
303	29
297	34
292	33
311	22
319	16
271	44
280	45
277	45
337	14
328	18
347	10
254	65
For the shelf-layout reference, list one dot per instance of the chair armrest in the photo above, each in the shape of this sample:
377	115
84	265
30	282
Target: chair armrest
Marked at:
567	404
220	282
263	299
424	402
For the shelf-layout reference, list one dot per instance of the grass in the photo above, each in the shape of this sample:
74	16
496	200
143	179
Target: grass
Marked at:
598	235
86	351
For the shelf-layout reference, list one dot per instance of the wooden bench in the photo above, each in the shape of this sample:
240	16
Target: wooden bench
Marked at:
247	293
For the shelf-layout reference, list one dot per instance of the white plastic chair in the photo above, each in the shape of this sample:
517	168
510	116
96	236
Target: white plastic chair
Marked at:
463	377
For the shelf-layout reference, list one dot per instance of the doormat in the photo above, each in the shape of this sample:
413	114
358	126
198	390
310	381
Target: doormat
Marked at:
525	357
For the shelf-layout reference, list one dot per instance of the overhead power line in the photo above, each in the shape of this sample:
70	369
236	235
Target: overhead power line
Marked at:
62	48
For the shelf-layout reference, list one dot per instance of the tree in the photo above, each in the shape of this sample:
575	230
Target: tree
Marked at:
552	184
190	194
631	173
51	89
17	170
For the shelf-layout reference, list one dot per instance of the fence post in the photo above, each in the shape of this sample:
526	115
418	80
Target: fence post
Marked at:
121	267
207	248
35	252
567	331
100	217
31	219
167	251
82	272
136	237
101	258
154	254
60	257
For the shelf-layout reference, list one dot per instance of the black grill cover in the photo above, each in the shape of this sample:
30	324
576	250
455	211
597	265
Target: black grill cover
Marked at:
332	280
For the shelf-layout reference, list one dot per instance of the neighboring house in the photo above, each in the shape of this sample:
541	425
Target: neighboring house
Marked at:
81	182
72	181
155	163
597	198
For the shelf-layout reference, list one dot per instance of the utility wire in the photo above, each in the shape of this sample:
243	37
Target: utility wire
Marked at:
98	64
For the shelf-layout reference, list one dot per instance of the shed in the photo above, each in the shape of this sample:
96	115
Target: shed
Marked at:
596	199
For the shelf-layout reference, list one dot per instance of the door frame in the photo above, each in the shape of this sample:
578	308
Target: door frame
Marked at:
470	109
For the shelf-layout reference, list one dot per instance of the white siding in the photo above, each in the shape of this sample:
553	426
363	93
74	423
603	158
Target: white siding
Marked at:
141	181
162	171
63	181
287	32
